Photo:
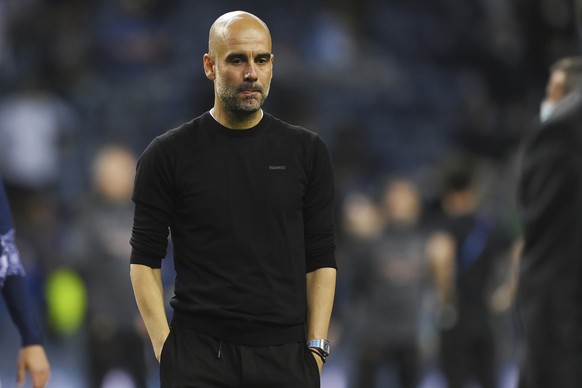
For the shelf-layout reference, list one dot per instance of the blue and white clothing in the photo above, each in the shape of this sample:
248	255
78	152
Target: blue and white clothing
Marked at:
9	258
12	280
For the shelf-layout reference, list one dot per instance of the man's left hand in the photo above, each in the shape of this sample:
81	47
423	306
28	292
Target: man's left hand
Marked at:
34	360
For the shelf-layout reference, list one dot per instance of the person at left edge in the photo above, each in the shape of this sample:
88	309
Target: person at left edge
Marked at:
248	200
32	357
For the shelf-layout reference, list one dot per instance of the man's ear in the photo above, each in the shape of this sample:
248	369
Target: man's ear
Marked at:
209	68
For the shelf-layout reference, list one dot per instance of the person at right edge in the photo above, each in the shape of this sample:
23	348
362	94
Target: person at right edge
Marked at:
248	200
550	198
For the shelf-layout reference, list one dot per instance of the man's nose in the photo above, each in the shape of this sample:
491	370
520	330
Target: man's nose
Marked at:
250	73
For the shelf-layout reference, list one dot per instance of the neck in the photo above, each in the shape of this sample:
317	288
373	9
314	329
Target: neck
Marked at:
235	121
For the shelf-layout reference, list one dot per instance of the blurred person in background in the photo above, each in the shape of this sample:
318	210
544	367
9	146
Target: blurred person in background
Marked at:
360	225
32	357
466	281
390	285
36	129
100	230
249	202
550	200
36	132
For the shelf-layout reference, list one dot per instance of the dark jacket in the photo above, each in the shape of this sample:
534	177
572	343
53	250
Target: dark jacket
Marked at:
550	290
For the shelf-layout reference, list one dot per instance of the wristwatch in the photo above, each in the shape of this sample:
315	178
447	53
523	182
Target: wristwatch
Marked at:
322	345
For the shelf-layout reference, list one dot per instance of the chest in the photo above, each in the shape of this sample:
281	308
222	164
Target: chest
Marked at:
241	174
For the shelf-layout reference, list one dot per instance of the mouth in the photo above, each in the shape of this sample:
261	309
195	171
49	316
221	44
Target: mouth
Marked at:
249	91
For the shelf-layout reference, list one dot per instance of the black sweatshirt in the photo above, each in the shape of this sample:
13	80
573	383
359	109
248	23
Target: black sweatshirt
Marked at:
250	213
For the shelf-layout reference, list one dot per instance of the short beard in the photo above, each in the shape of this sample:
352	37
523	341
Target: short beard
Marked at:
237	106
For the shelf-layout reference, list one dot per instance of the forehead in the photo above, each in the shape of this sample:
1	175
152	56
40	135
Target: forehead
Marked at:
243	37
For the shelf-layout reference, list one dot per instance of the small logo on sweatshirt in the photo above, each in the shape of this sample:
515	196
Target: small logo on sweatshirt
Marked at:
277	167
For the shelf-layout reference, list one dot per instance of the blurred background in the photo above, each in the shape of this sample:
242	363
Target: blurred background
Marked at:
423	104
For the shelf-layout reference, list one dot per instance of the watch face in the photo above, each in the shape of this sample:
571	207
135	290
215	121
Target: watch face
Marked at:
321	344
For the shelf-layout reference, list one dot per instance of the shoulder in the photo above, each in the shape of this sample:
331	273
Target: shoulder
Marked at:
292	129
184	130
294	132
552	156
178	137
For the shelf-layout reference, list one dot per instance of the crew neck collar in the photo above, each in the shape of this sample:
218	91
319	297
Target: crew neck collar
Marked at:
211	111
238	132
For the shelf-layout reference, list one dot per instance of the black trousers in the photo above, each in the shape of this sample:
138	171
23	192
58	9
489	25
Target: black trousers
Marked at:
193	360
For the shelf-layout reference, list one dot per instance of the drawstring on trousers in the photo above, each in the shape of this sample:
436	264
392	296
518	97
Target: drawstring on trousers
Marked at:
219	349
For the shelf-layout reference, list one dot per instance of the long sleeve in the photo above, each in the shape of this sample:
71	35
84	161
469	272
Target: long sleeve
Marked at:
318	211
12	280
21	310
153	207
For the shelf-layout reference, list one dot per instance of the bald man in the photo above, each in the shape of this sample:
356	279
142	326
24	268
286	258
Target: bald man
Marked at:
248	200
